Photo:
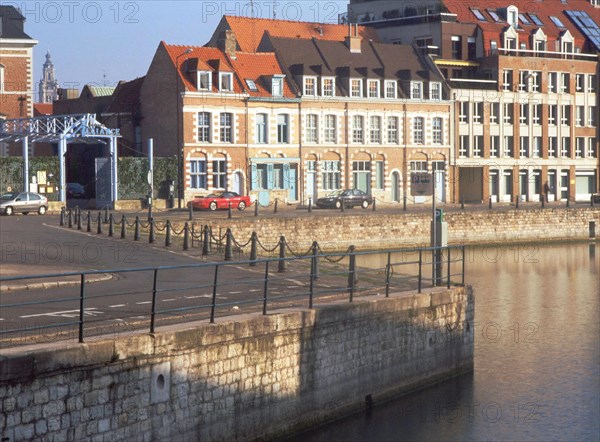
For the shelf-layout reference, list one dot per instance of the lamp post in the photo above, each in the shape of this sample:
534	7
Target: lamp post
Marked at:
179	147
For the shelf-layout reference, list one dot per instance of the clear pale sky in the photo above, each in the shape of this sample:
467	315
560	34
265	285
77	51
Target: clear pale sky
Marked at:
102	42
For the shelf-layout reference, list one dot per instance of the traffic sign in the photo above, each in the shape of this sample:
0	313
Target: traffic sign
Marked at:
421	184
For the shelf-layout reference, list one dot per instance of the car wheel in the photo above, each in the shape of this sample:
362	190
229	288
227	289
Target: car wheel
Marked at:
42	210
241	206
9	211
338	204
213	206
25	213
365	204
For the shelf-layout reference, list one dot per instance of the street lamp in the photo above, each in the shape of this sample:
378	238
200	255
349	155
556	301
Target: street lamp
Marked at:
179	147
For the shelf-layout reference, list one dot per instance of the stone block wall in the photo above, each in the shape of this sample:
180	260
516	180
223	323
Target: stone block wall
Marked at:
245	377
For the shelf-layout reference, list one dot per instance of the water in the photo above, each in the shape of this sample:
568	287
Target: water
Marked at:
537	358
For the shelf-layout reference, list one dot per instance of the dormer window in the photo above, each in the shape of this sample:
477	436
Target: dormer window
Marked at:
204	81
225	81
277	85
391	90
416	90
251	85
512	14
310	86
328	87
435	90
355	87
373	88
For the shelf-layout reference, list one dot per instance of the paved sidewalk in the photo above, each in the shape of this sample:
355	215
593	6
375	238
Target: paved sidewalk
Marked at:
13	270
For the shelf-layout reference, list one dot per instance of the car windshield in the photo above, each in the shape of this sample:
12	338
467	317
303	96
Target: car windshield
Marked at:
336	193
9	196
215	195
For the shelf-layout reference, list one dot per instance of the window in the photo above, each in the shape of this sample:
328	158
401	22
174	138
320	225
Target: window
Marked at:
524	147
523	77
379	175
535	19
330	173
251	85
507	79
361	174
375	135
591	83
392	130
219	173
328	87
508	146
204	81
511	16
262	128
277	86
373	87
416	90
391	90
565	115
539	45
511	44
198	174
524	19
225	81
591	153
552	82
477	145
435	90
204	127
565	147
456	47
579	82
524	114
494	15
463	149
477	13
552	146
536	78
330	129
310	86
494	112
493	47
471	48
579	115
592	116
356	88
508	113
536	111
564	83
226	128
283	128
552	114
463	116
477	112
437	127
494	146
418	126
556	21
579	147
418	166
358	127
312	128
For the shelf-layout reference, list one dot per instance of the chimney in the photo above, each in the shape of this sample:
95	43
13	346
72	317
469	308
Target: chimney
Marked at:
354	43
228	43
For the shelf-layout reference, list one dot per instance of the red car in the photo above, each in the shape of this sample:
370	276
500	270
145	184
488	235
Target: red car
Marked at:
220	200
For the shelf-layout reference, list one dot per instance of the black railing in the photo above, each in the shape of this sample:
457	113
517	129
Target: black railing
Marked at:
203	291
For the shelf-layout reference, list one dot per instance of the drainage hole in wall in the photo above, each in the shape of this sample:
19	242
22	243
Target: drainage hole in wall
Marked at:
160	381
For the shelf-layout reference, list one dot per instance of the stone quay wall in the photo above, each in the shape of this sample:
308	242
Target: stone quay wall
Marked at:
242	378
380	230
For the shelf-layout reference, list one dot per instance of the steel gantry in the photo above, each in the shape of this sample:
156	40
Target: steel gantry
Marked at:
61	129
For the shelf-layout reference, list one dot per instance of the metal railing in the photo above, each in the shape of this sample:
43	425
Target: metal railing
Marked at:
204	291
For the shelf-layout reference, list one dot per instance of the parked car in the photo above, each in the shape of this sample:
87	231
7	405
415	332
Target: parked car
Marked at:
23	202
221	200
75	190
350	197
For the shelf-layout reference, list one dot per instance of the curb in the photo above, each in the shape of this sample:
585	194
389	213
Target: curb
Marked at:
49	285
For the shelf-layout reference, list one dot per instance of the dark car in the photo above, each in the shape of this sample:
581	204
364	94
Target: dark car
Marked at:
75	190
350	197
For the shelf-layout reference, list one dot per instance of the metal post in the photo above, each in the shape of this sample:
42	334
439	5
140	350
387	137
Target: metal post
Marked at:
168	235
275	208
149	212
266	288
404	203
25	148
229	214
490	202
186	237
517	202
123	227
448	274
62	216
70	218
420	270
351	273
592	201
374	204
214	295
228	245
253	249
463	266
89	221
342	208
543	198
256	204
315	260
81	306
568	199
388	271
111	225
136	232
310	205
462	202
78	220
153	313
282	264
191	215
99	229
206	241
151	238
105	214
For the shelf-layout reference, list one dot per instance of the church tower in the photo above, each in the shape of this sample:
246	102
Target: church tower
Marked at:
48	83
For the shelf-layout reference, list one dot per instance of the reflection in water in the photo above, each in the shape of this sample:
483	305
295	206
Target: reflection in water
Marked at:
537	357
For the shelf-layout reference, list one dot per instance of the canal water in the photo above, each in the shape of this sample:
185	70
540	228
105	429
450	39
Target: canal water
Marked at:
537	358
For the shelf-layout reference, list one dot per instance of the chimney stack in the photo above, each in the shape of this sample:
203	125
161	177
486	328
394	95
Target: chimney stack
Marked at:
228	43
354	41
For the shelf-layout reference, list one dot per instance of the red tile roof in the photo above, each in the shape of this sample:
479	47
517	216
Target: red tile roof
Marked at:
249	31
543	9
259	67
42	109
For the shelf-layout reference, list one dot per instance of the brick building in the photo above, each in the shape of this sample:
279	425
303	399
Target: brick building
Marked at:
525	77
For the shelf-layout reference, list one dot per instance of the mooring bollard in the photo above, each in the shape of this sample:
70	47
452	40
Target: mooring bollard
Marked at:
111	225
592	201
282	265
229	214
256	204
275	207
315	260
151	238
89	221
62	216
136	232
123	227
568	199
309	205
70	218
168	234
490	202
191	214
374	204
186	236
543	201
228	245
404	203
462	202
352	272
99	229
78	220
253	249
206	241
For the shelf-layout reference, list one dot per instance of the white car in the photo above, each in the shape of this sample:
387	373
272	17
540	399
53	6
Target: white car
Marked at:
23	202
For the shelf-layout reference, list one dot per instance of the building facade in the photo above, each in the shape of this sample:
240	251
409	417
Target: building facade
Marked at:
48	86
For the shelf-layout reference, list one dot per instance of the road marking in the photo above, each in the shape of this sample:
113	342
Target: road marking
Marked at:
67	313
235	293
199	296
117	305
169	300
1	319
254	290
295	282
144	302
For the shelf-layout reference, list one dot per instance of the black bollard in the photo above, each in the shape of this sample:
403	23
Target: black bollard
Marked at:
342	205
70	218
62	216
256	204
186	237
543	201
517	202
315	260
89	221
253	249
228	246
351	273
78	220
111	225
404	203
168	236
206	241
374	204
136	232
151	238
99	229
568	200
309	205
282	265
106	214
191	215
229	214
462	202
149	212
490	202
123	227
592	201
275	207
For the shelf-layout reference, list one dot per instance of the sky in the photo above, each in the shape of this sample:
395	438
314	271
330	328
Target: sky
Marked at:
103	42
